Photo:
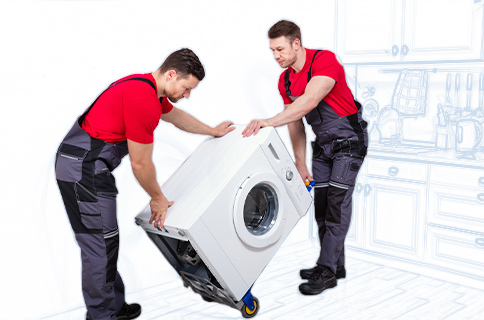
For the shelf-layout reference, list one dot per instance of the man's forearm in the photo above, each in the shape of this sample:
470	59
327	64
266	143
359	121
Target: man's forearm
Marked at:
317	88
146	176
298	139
192	125
188	123
295	111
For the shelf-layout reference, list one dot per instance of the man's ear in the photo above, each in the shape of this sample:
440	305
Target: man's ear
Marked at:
170	74
296	44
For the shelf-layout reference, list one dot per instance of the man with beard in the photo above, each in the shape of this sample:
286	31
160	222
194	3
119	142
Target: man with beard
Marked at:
314	86
121	121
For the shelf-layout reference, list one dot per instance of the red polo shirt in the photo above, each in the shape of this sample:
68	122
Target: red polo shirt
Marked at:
340	98
129	110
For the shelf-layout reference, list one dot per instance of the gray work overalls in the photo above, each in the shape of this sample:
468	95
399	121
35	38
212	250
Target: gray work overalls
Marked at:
83	168
338	153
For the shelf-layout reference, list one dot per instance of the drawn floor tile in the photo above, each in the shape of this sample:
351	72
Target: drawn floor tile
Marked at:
370	291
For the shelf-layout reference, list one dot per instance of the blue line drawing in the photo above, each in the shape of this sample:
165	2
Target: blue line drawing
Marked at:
416	241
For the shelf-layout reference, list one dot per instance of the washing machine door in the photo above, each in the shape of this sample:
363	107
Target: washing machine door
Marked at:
259	210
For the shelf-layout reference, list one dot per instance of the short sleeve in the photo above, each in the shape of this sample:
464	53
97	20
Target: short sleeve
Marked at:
326	64
141	113
166	105
282	89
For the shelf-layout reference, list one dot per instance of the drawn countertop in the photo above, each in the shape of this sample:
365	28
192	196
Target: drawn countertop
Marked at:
426	155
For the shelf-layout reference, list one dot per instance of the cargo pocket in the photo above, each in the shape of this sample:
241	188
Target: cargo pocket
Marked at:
89	210
351	171
316	149
104	181
92	221
345	169
68	166
84	195
89	207
355	166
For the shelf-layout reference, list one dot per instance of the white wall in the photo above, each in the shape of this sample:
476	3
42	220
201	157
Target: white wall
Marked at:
55	57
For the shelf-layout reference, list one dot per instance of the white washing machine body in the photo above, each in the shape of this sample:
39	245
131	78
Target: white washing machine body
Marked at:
236	200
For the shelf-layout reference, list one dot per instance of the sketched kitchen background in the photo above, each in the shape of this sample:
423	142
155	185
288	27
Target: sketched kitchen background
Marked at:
416	242
417	67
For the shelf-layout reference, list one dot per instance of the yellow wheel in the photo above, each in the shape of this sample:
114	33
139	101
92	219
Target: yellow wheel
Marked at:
247	313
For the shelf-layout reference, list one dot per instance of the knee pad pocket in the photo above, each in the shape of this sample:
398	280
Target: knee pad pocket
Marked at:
336	197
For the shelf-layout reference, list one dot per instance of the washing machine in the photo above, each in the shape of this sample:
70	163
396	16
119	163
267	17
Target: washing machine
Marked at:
236	200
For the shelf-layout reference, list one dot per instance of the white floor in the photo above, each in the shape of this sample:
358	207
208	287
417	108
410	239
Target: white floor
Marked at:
370	291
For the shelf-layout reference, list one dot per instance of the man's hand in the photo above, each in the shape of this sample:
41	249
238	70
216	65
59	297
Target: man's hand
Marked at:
304	172
188	123
145	172
254	126
317	88
159	208
222	129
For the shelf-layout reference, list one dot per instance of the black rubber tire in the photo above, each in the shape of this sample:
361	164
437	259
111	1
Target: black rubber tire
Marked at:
207	299
246	313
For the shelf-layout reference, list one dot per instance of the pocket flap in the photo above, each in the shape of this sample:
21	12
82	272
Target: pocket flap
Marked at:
73	151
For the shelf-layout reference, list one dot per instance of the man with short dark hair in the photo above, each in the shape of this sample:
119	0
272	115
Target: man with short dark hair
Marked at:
314	86
121	121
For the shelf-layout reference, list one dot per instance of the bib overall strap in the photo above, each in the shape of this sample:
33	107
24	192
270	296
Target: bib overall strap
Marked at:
81	119
309	72
287	83
357	127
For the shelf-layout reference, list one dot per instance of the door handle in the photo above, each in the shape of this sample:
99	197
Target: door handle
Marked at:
404	50
358	187
480	197
459	133
368	189
480	242
395	50
393	171
481	181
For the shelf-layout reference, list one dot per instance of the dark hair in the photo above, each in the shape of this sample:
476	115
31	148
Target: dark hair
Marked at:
285	28
184	62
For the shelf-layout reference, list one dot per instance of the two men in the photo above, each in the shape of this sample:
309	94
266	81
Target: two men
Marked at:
121	121
314	86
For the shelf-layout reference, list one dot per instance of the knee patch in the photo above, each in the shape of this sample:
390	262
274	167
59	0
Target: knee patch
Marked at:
320	202
336	196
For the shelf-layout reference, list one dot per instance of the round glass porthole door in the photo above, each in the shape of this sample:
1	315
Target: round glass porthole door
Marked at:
258	210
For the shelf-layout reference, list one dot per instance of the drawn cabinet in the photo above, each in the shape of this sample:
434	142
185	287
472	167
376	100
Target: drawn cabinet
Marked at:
410	30
395	208
455	237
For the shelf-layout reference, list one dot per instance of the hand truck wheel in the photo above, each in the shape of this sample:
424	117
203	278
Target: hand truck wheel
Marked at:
207	299
247	313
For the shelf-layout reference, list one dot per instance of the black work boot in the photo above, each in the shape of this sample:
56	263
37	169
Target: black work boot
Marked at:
321	279
306	273
129	311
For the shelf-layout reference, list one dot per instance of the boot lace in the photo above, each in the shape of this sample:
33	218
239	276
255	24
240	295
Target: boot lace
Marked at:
127	308
318	273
